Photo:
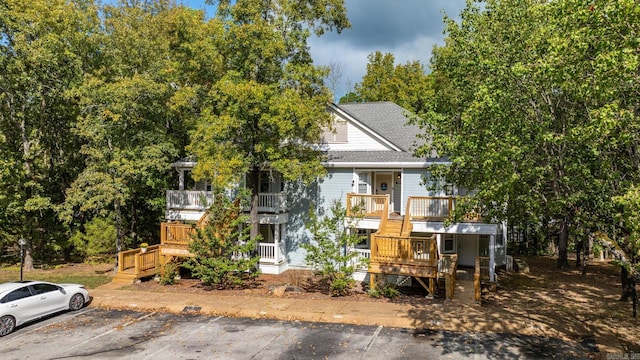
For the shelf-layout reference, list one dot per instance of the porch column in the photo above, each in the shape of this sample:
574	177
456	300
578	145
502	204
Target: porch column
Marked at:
492	257
180	179
276	245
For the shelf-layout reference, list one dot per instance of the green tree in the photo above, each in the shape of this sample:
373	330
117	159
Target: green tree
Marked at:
270	106
330	252
225	254
537	107
406	85
95	240
44	48
156	60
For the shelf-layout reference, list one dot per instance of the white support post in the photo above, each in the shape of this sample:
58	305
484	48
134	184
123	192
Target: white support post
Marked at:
492	258
276	245
180	179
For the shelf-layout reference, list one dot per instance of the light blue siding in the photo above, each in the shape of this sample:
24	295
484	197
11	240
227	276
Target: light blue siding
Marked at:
334	187
300	198
413	185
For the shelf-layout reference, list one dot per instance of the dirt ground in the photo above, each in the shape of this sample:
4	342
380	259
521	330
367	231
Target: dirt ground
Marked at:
546	300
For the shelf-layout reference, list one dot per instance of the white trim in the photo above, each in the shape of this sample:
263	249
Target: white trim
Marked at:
492	258
384	165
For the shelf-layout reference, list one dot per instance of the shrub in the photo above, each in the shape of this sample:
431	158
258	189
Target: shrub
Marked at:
225	256
330	252
169	273
98	238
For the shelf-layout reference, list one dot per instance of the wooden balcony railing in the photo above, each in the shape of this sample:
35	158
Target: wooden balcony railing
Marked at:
436	208
176	234
366	205
397	249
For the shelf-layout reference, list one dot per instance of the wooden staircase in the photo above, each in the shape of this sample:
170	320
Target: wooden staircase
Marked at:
392	227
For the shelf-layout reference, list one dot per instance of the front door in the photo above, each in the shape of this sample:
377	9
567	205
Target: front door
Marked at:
467	249
384	186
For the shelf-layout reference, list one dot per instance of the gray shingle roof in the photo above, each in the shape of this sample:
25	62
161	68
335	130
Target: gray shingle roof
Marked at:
387	119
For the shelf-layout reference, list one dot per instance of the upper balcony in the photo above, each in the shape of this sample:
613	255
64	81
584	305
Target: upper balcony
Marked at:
200	200
420	208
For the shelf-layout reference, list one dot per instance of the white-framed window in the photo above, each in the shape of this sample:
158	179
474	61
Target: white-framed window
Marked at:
338	134
449	245
364	183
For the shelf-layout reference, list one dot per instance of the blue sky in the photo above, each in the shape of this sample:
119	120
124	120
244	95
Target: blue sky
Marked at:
406	28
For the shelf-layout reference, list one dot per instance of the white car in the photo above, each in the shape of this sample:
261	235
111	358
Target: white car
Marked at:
25	301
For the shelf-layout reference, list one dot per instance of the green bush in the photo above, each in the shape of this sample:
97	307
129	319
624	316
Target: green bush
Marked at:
97	239
225	256
387	290
330	253
169	273
341	285
390	291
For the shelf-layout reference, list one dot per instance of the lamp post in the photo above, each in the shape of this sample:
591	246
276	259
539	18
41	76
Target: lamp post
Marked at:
22	242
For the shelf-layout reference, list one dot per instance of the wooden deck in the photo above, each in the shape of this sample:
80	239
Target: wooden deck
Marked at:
395	251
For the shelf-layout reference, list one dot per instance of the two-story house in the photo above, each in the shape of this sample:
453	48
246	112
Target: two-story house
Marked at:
369	161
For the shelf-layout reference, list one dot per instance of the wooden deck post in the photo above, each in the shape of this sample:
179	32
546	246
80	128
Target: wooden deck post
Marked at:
372	281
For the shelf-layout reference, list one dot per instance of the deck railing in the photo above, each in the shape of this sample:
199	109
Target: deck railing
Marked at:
427	207
403	250
176	234
437	208
366	205
201	200
189	199
142	262
272	202
447	268
481	274
358	259
270	253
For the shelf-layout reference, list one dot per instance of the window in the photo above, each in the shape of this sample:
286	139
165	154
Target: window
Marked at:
43	288
337	135
365	238
18	294
449	244
363	183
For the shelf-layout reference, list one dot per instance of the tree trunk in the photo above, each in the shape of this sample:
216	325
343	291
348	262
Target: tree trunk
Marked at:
579	246
628	284
27	264
254	182
563	244
117	210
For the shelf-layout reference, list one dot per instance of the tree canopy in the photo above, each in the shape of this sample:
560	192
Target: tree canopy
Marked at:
407	85
536	105
270	106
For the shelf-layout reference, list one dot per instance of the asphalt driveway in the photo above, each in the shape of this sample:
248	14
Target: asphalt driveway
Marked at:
96	333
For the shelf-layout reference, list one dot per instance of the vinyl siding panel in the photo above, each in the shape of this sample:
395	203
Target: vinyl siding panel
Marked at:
334	187
357	139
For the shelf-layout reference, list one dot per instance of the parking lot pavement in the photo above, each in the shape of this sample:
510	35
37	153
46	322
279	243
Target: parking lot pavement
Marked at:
109	334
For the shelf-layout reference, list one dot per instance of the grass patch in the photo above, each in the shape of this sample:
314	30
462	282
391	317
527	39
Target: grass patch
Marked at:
89	275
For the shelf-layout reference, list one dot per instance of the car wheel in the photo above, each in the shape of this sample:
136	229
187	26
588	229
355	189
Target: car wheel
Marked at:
7	324
76	302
